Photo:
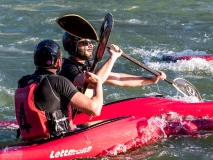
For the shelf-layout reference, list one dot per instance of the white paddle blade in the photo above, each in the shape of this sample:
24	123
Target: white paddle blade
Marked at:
186	88
89	92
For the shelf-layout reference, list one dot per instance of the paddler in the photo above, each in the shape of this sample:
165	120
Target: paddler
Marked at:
41	99
80	52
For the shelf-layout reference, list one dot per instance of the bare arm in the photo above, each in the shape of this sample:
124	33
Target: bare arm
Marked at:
91	106
105	70
127	80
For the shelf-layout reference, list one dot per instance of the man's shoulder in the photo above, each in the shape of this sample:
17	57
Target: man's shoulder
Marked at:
59	79
22	81
67	63
53	76
69	69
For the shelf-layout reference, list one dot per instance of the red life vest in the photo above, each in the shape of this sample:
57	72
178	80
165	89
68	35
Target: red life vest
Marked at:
32	122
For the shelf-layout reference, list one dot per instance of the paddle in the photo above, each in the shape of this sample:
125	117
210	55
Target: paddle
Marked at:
182	85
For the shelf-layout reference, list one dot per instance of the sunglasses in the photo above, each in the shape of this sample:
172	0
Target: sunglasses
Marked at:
86	42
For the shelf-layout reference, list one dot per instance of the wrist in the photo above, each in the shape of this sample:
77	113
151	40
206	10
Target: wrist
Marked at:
154	79
99	81
113	58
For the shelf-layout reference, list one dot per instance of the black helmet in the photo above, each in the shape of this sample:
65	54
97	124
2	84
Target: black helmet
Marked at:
46	53
70	43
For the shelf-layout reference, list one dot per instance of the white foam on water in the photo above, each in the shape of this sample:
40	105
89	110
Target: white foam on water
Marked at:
28	6
12	48
15	155
50	20
8	91
9	34
195	64
189	99
131	8
198	65
27	39
148	53
25	9
134	21
159	122
117	149
163	121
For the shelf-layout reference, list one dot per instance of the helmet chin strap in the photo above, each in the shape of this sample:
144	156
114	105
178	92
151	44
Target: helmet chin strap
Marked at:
58	70
58	65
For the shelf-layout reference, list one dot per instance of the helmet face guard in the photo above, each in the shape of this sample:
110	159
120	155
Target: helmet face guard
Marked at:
46	54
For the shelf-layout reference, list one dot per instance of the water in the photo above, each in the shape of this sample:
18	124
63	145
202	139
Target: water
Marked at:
145	30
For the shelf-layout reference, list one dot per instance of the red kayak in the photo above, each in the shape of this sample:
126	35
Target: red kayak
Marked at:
148	107
122	126
187	57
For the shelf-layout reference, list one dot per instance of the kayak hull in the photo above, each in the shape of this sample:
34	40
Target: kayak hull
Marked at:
87	143
122	126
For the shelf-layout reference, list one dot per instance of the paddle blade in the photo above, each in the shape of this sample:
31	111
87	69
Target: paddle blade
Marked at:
77	26
186	88
104	36
105	31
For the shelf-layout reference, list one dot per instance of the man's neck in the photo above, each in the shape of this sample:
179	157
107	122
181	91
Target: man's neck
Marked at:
77	59
46	70
52	70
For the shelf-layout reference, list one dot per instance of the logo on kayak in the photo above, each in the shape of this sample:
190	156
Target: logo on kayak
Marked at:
71	152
